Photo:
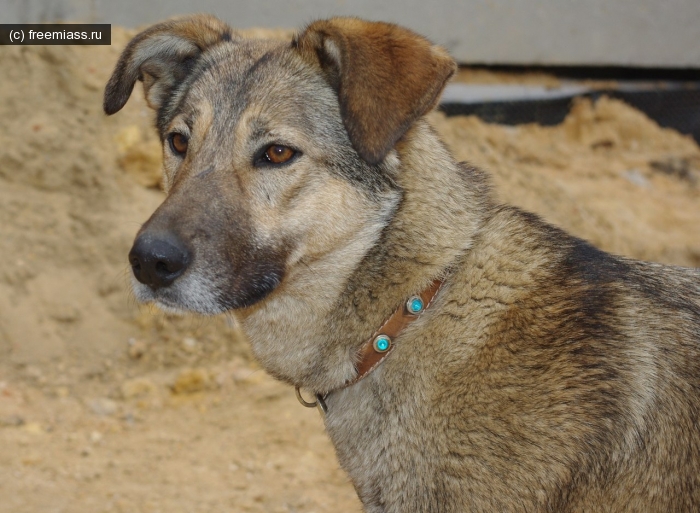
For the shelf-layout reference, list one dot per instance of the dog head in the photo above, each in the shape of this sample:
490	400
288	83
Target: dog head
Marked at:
276	154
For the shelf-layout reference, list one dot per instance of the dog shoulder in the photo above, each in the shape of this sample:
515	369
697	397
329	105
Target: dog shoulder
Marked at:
545	330
547	301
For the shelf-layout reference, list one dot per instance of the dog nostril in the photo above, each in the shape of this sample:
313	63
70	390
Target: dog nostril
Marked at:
157	262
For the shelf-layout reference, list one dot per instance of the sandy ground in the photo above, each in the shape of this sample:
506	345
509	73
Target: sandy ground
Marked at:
107	406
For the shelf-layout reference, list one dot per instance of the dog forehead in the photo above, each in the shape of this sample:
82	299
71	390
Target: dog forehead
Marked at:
239	56
267	75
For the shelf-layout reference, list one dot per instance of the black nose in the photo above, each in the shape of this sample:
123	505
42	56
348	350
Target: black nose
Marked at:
157	260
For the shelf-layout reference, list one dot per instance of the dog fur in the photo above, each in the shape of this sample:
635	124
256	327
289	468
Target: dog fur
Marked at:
547	376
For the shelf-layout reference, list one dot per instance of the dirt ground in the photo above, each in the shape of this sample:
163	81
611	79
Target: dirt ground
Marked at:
106	406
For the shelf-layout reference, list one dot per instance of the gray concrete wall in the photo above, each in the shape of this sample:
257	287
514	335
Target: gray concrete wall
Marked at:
652	33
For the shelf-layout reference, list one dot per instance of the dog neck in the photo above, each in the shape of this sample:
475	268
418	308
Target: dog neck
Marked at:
309	332
373	352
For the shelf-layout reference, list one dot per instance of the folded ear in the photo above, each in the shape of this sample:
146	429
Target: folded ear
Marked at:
386	77
161	56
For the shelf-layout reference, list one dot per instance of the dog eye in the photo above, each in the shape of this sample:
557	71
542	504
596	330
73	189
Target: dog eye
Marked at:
178	143
278	154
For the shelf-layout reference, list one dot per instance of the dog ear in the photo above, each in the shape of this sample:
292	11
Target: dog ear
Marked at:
386	77
161	56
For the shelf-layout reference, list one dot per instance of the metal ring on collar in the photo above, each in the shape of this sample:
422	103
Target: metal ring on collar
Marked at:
319	403
303	401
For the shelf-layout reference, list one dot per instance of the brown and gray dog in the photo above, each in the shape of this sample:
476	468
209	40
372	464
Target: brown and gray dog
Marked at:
528	371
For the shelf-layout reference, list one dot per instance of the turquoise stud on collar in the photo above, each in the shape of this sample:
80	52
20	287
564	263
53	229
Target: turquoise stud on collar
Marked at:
382	343
415	305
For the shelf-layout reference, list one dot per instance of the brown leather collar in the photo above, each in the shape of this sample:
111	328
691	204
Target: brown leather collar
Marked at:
381	343
370	355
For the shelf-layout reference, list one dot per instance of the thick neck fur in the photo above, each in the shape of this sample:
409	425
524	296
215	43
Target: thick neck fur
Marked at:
309	331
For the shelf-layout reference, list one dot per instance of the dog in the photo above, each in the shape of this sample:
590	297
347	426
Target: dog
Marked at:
468	355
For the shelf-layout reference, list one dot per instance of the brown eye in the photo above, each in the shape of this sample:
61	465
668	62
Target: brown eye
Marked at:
278	154
178	143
